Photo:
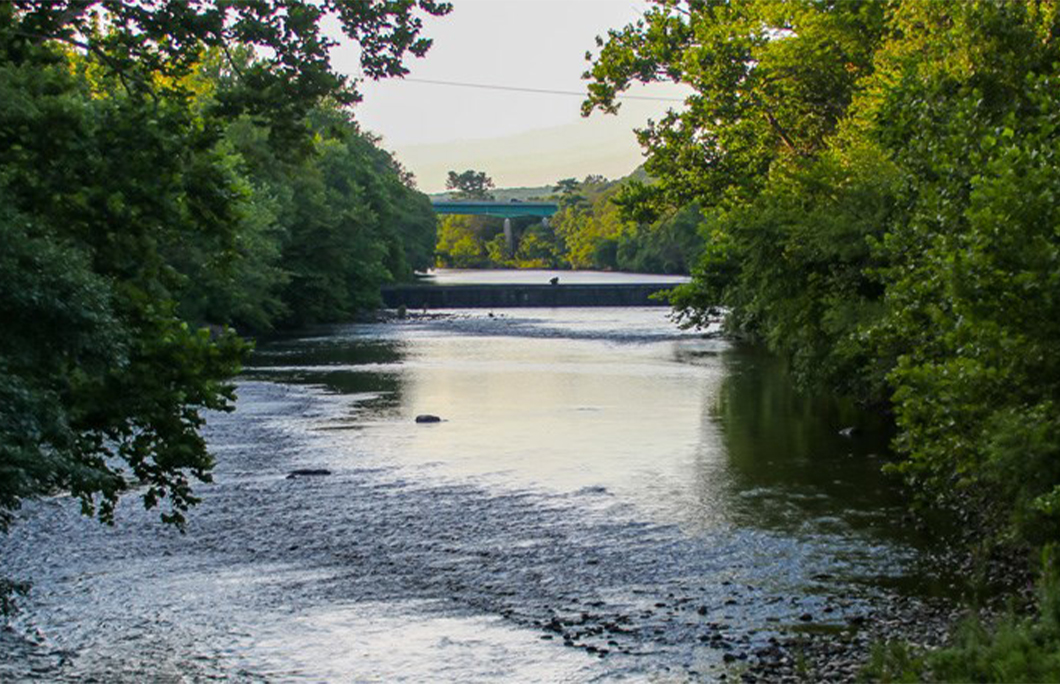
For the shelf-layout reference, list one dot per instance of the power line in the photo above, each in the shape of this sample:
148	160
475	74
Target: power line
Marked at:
544	91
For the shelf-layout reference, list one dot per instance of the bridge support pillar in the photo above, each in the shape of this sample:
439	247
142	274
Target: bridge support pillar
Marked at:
508	236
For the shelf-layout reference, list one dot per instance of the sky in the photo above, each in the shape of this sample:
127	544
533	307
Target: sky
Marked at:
517	138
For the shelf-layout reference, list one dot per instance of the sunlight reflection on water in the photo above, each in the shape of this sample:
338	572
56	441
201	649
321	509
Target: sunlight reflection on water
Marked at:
601	466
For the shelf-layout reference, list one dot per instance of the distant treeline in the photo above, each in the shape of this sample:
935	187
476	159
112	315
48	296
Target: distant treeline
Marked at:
588	232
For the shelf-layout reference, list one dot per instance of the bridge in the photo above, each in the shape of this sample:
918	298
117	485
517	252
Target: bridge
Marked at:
505	210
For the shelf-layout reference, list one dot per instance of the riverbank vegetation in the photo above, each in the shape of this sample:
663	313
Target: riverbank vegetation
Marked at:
168	173
589	231
879	182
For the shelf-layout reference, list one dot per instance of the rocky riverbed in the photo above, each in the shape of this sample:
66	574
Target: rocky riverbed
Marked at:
614	527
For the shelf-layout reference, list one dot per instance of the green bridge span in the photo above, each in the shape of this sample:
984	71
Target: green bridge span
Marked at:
507	210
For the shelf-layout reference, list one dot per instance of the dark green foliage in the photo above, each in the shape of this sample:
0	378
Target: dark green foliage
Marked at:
141	214
169	38
878	183
669	245
105	380
65	323
796	268
344	219
973	289
469	185
9	593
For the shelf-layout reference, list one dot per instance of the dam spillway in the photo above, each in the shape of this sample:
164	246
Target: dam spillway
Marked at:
507	295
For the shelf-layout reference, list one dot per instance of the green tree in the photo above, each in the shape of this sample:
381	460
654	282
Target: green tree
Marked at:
972	290
876	182
770	81
458	244
470	185
123	204
123	181
293	71
566	186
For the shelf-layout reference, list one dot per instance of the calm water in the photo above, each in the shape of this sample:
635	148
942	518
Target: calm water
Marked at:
643	486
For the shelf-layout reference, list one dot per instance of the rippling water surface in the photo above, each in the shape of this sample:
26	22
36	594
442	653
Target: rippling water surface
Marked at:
605	497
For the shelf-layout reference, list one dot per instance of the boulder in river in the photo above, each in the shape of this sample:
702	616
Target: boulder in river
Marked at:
308	472
427	418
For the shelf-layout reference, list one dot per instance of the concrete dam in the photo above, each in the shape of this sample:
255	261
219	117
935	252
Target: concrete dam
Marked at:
502	296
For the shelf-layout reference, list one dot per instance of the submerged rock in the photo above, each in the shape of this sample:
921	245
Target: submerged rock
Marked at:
427	418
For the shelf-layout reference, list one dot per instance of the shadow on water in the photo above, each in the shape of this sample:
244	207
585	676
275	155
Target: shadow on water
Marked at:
342	360
779	438
810	464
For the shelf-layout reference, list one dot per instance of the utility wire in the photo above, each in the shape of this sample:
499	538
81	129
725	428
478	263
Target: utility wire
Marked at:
483	86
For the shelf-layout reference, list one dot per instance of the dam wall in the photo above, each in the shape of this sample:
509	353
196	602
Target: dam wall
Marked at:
514	296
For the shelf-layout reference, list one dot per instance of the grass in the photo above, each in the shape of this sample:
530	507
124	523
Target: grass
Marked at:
1020	646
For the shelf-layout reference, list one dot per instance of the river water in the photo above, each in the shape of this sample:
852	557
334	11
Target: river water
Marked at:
606	497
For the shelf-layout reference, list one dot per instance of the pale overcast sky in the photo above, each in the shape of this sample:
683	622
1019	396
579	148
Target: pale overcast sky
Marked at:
519	139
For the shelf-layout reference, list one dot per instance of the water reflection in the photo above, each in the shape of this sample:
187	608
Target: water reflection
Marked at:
789	463
349	360
689	430
675	427
599	468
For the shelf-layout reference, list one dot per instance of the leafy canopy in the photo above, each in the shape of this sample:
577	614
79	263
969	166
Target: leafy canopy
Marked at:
136	207
878	183
168	37
470	185
770	80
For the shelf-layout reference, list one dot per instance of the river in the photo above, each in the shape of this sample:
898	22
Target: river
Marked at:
606	497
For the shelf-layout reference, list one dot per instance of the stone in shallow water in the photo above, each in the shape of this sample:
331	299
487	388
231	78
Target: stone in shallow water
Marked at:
308	472
427	418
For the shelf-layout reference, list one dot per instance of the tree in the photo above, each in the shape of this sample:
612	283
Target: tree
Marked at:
770	81
566	186
972	293
877	183
470	185
458	245
169	37
120	196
